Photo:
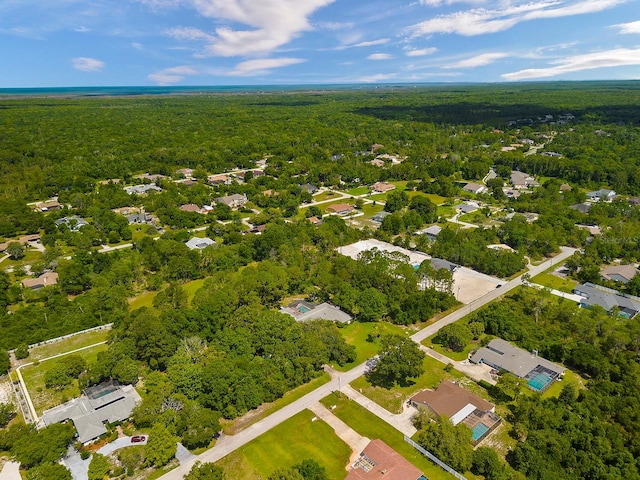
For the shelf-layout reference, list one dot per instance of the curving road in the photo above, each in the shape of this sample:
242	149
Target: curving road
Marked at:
228	444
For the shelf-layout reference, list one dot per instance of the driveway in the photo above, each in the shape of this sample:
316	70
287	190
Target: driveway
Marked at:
79	468
120	443
10	471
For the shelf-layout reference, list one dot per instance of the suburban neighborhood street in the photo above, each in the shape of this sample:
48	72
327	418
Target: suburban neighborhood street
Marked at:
228	444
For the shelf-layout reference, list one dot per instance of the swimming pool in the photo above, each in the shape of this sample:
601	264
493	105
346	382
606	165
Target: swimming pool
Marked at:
539	382
303	309
478	431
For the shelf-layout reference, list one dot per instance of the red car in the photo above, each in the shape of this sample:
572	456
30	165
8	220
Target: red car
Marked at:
138	439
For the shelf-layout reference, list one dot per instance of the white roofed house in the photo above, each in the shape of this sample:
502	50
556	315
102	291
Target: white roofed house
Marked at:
197	243
602	195
234	201
431	232
474	188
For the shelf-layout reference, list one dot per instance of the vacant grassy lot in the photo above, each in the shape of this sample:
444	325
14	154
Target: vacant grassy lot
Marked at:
287	444
43	397
458	356
356	334
68	344
321	197
266	409
358	191
370	426
547	279
392	399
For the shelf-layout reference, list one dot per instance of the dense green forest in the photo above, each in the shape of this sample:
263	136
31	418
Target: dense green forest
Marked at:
212	353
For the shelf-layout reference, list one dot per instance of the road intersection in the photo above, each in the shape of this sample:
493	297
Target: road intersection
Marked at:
227	444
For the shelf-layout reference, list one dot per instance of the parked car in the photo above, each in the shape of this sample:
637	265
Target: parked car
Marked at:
138	439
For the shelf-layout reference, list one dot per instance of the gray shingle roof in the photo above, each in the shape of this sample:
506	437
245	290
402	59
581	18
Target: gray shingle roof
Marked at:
607	298
502	355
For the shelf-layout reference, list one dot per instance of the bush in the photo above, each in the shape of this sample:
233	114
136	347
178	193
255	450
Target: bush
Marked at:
22	351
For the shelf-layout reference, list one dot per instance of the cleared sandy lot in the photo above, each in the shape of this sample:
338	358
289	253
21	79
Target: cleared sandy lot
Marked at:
468	284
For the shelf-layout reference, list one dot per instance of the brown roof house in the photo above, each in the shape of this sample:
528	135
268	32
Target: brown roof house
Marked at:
460	406
379	461
474	188
340	208
190	207
50	205
44	280
382	187
619	273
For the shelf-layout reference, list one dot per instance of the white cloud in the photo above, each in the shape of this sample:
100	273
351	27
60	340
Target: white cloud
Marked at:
85	64
262	66
478	60
628	28
439	3
369	43
378	77
606	59
479	21
335	25
188	33
137	46
172	75
82	29
421	52
379	56
273	23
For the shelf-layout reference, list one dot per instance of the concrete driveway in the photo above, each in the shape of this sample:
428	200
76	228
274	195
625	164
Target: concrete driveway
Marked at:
10	471
121	443
79	468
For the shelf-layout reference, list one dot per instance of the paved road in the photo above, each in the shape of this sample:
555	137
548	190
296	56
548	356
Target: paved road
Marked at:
228	444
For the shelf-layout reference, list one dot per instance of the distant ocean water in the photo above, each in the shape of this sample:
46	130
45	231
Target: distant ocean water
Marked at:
186	90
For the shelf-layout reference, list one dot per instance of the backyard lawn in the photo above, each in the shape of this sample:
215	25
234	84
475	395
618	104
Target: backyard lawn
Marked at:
68	344
43	397
370	426
289	443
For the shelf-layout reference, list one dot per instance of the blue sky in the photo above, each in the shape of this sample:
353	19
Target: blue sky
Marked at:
248	42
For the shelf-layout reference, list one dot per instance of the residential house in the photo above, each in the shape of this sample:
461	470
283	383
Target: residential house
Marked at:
74	222
257	229
382	187
565	187
188	182
45	280
187	172
142	189
139	218
466	208
377	162
376	146
581	207
303	311
219	179
308	188
501	355
105	403
379	461
474	188
315	220
520	180
234	201
602	195
114	181
197	243
152	177
619	273
431	232
380	216
459	405
340	208
633	200
49	205
440	263
191	207
611	300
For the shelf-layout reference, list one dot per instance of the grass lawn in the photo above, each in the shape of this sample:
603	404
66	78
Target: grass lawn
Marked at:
321	197
370	426
553	281
287	444
369	210
392	399
192	287
356	334
358	191
143	300
556	387
266	409
44	397
446	211
379	197
458	356
67	345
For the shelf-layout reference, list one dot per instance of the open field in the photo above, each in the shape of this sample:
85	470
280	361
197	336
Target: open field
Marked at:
358	191
457	356
370	426
289	443
43	397
324	196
